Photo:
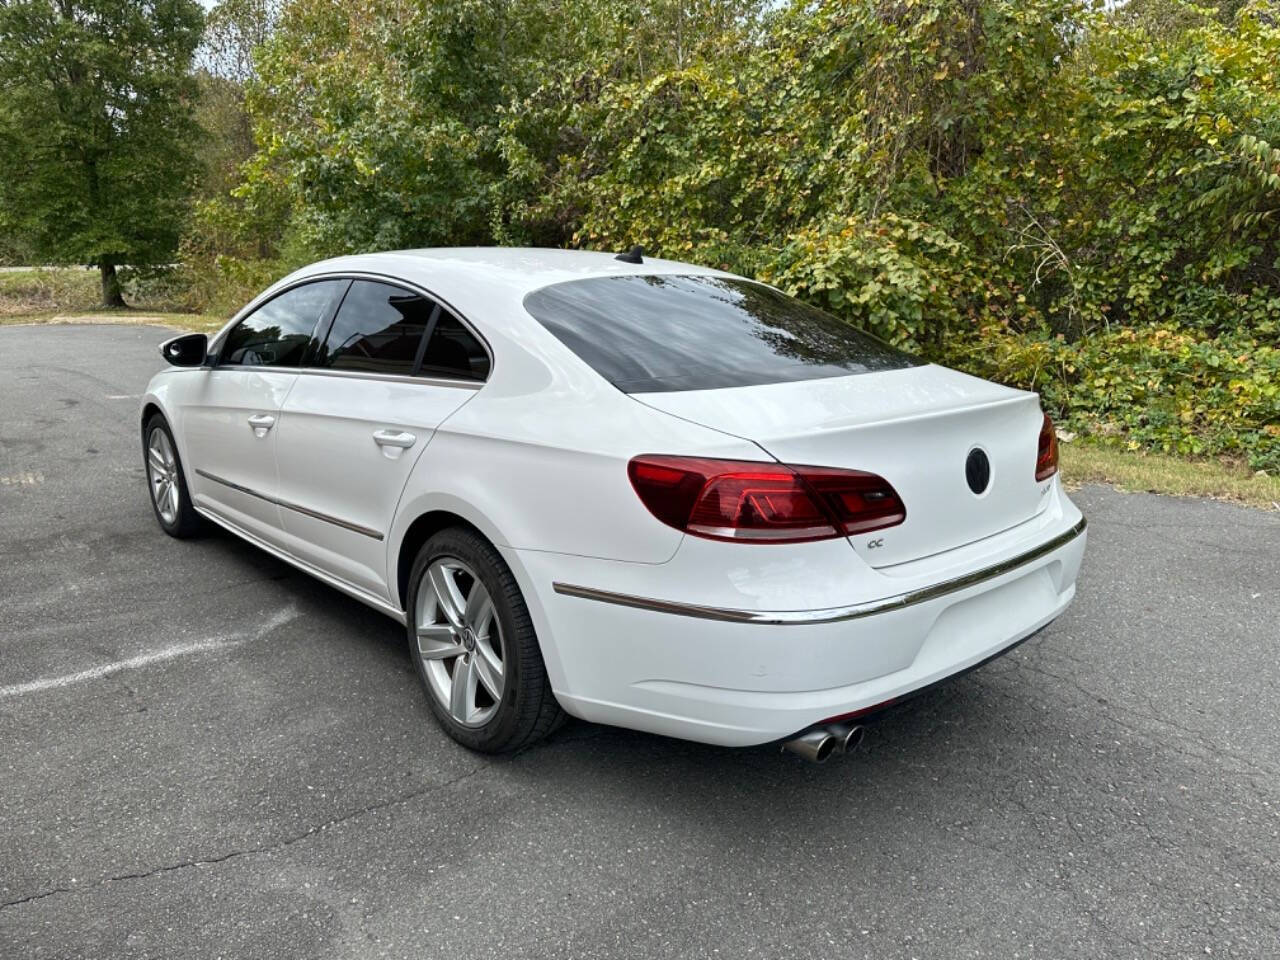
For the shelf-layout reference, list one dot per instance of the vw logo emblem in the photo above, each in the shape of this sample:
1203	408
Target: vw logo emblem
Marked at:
977	471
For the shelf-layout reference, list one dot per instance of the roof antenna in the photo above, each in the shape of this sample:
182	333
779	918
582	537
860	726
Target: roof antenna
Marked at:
634	255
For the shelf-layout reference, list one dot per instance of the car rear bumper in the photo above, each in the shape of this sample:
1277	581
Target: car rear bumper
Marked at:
854	611
736	677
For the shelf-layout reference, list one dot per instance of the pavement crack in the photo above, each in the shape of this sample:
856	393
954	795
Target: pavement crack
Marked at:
266	848
35	896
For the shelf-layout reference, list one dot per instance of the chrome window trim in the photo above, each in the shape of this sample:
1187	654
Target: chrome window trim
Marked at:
253	368
296	508
834	614
263	298
356	375
393	378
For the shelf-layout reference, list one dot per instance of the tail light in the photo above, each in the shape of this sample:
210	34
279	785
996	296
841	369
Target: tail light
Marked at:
1047	453
763	502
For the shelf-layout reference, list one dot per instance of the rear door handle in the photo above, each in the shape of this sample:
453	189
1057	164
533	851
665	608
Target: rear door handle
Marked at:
394	438
261	423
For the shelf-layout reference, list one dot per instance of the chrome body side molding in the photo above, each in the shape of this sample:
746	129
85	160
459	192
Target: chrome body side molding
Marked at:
296	508
833	614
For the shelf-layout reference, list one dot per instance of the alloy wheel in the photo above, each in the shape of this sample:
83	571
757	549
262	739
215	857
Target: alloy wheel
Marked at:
460	642
162	471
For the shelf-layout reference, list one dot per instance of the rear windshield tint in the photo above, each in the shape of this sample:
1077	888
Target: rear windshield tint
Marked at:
646	334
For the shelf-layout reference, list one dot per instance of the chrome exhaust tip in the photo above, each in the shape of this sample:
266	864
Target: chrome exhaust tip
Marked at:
848	738
818	745
815	746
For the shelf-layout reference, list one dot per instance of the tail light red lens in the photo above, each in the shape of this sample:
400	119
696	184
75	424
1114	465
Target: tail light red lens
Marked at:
763	502
1047	454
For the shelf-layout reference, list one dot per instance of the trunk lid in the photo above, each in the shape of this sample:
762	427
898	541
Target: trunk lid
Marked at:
916	427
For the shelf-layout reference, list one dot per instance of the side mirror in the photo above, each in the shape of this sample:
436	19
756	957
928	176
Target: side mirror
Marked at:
186	351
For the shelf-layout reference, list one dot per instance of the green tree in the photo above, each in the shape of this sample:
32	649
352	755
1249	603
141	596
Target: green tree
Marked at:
382	121
234	31
96	129
1071	195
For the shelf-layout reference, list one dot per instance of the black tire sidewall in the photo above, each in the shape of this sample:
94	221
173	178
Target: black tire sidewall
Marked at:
503	728
187	521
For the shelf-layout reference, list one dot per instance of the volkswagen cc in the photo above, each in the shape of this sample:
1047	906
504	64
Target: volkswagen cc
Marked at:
635	491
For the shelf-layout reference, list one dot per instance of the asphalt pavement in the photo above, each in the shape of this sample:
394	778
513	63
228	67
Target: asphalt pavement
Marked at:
204	753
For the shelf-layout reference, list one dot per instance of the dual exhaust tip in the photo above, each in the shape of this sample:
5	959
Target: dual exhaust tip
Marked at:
819	744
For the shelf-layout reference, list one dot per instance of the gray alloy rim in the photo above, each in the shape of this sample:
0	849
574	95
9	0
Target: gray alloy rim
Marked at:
460	642
162	471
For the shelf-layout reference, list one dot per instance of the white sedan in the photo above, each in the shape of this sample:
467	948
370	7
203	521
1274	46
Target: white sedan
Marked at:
640	492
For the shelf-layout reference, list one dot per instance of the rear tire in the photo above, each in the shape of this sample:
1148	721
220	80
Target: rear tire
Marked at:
166	482
474	646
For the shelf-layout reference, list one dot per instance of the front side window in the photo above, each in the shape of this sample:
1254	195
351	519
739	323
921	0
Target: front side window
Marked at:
378	329
647	334
278	332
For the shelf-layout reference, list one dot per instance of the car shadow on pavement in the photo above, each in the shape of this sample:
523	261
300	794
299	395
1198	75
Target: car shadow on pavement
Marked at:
970	744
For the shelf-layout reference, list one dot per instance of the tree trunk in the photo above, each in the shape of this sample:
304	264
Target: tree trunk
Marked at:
111	295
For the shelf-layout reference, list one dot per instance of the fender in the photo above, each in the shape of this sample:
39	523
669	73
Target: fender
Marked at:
413	507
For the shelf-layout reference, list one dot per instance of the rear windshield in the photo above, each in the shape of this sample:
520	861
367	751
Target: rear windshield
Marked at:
646	334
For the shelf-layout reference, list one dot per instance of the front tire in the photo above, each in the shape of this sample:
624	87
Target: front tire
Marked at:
474	646
165	481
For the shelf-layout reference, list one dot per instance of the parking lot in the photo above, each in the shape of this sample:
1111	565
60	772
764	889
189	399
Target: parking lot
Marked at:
204	753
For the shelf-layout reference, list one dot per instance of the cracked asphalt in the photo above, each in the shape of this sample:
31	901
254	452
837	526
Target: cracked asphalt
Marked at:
276	787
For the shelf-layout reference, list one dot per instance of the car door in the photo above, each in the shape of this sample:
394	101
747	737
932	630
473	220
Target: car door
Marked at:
229	423
392	366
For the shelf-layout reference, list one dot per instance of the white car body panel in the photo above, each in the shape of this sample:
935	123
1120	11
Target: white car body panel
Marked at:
218	440
640	624
329	460
744	683
567	471
914	427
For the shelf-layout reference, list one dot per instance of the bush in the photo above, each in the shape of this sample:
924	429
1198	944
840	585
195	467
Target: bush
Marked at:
903	280
1156	387
1083	199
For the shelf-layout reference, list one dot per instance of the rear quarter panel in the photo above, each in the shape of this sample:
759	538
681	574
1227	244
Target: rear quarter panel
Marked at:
549	472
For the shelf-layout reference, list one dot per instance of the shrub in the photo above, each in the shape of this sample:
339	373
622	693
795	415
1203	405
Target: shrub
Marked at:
1155	387
1083	199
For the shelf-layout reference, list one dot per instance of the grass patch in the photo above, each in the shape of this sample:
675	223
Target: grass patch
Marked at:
47	290
1175	476
194	322
73	295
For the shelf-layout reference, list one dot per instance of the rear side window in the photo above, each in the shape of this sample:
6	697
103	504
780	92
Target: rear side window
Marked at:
647	334
278	332
378	329
454	352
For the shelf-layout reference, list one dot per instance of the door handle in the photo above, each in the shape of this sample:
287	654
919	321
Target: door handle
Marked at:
261	423
394	438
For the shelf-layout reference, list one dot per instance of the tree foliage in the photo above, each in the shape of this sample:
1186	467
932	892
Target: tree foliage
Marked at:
234	30
96	129
1034	189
